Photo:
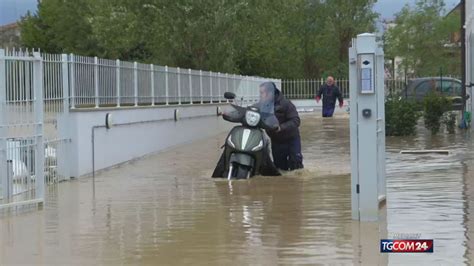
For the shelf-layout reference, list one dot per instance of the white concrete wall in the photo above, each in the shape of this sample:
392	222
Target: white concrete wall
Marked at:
123	143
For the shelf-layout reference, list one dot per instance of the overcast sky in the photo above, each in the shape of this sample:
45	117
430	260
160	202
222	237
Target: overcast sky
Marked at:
387	8
12	10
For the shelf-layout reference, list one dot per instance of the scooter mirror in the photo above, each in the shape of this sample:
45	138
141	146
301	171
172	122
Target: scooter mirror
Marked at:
229	95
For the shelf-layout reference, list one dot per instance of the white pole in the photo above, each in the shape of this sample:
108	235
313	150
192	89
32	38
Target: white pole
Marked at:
117	80
200	85
64	131
96	81
219	86
367	125
65	84
135	83
179	86
72	79
38	107
152	84
210	86
190	86
166	86
3	136
227	84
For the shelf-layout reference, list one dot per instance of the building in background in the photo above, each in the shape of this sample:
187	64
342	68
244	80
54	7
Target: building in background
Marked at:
10	35
455	38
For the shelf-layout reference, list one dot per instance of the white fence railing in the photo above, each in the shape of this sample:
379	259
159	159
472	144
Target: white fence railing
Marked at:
21	128
95	82
307	88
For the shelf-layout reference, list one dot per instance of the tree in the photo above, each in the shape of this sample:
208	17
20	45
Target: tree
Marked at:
59	26
345	22
421	39
273	38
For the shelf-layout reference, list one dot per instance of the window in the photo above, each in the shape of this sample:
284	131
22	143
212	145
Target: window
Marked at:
424	88
449	87
457	89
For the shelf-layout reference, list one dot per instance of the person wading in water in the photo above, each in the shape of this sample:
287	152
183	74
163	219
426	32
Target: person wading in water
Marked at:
329	92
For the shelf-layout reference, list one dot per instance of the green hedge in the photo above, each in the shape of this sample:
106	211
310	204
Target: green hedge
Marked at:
434	107
401	117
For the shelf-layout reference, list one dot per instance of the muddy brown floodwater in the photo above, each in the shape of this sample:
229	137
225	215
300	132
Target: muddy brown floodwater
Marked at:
165	210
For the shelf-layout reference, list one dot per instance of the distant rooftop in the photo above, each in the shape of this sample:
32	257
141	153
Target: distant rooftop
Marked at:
8	26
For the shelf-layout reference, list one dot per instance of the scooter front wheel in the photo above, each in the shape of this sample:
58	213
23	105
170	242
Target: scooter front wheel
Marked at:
242	172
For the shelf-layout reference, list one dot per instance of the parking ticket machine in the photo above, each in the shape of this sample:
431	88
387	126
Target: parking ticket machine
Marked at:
367	127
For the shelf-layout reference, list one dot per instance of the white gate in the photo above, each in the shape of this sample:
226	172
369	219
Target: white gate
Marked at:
21	128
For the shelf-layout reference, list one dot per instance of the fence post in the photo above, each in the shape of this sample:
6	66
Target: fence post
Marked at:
227	84
243	90
246	89
65	79
72	78
96	81
210	86
38	107
249	88
117	80
190	86
179	85
256	84
63	150
200	85
152	84
219	87
166	86
135	83
3	143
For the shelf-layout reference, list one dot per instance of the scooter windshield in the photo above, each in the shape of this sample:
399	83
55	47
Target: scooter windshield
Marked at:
266	103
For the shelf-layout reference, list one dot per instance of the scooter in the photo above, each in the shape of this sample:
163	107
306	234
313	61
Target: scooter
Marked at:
246	148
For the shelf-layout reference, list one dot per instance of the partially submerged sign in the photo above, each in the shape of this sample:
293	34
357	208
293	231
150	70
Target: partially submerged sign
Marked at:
445	152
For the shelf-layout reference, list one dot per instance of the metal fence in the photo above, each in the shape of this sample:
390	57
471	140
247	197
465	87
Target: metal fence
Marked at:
21	128
96	82
56	104
307	88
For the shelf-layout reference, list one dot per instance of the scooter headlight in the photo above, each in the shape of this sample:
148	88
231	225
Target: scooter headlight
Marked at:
252	118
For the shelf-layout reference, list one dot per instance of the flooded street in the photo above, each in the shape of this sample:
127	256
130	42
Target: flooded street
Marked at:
165	210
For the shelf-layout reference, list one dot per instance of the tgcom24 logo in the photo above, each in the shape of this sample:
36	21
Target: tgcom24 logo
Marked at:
406	245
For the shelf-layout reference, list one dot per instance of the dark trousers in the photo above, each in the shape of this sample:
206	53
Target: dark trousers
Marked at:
328	110
287	156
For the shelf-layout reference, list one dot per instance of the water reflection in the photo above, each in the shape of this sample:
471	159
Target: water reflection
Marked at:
165	210
426	195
